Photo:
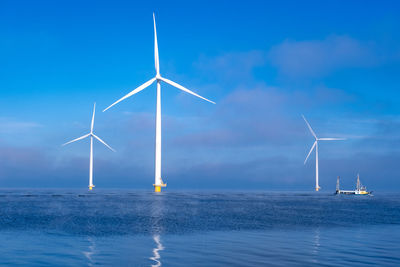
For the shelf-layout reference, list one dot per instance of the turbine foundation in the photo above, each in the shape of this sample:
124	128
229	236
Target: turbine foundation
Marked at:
157	187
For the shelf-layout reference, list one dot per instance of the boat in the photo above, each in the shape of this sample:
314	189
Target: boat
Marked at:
360	189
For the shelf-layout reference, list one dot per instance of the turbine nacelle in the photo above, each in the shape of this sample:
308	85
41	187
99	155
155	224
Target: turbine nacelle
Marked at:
158	77
330	139
315	144
91	134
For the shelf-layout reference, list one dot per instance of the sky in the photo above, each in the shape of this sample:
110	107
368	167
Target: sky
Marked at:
265	63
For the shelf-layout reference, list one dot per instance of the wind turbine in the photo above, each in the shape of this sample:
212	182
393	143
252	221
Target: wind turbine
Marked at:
158	180
91	135
315	145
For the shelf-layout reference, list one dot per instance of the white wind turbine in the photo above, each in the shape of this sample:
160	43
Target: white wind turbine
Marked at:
91	135
315	145
158	180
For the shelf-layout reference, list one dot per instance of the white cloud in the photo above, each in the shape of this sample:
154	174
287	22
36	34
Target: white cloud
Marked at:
233	65
9	125
318	57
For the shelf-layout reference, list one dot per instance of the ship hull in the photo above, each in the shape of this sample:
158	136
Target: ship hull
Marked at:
349	192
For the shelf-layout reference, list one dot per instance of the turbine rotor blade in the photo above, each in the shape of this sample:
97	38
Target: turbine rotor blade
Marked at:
94	112
104	143
156	59
184	89
77	139
137	90
331	139
309	127
309	153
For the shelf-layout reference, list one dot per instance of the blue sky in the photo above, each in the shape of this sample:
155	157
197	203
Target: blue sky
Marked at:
264	63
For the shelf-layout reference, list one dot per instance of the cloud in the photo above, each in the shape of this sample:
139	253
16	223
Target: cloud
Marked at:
313	58
9	125
308	58
382	136
261	116
255	139
285	173
247	116
231	66
22	163
37	167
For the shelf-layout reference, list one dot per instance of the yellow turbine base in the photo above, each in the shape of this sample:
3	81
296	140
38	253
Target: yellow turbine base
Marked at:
90	188
157	188
317	189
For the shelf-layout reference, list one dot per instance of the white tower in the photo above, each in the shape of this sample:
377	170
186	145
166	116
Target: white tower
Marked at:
158	182
315	145
91	135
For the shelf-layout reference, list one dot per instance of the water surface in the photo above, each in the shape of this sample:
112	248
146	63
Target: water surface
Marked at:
133	228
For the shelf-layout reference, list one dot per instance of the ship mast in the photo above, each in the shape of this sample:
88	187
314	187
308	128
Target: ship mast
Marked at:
337	185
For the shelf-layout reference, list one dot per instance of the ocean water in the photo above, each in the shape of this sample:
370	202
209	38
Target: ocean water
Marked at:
137	228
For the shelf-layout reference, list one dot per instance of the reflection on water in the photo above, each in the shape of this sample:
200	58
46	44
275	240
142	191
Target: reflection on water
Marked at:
316	245
156	256
157	210
91	250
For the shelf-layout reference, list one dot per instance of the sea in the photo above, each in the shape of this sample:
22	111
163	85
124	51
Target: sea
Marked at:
47	227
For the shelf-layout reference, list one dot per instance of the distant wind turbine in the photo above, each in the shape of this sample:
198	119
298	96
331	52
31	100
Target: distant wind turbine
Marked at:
158	180
315	145
91	135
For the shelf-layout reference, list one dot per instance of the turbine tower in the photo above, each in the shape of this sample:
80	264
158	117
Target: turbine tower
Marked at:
315	145
158	180
91	135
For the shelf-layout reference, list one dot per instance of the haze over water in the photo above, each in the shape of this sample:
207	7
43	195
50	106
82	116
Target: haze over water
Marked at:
139	228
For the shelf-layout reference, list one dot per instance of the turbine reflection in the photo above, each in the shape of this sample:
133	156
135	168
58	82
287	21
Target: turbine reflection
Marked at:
156	255
157	213
91	250
316	245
